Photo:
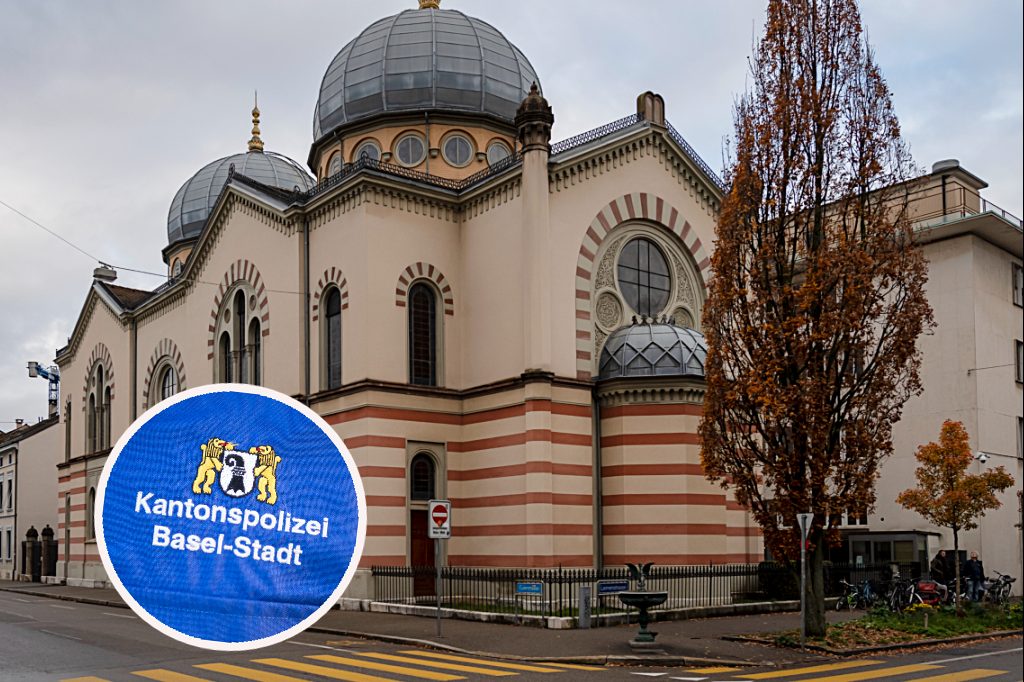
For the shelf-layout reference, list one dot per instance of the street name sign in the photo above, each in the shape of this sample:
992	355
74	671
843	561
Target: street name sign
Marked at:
230	517
439	519
606	587
529	587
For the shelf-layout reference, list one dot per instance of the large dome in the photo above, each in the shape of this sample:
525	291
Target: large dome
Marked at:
196	198
424	60
653	349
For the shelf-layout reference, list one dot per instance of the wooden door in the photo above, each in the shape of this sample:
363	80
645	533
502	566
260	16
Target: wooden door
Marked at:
422	555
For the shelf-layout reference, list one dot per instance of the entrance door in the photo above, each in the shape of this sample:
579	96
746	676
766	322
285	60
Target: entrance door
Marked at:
422	558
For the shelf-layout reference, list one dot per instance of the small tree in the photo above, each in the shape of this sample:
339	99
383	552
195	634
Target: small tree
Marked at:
947	495
818	296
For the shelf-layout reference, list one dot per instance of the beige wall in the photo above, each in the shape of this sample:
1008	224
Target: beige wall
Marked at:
37	458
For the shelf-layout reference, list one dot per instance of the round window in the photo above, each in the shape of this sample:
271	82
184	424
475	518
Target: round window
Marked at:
367	150
410	150
457	150
335	165
643	276
497	151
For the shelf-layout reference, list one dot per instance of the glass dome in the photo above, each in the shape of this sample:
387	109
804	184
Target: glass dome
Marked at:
653	349
423	60
194	201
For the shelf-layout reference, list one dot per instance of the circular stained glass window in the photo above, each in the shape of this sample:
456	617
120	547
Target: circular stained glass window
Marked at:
410	150
496	152
643	277
457	150
368	150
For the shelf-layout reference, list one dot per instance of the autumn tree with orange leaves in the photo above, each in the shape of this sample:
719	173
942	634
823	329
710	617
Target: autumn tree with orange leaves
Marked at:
817	297
947	496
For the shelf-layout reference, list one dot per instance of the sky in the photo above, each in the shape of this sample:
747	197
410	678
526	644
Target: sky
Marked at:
107	108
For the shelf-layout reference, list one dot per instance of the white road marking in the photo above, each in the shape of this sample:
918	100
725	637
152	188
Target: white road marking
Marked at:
57	634
651	674
19	615
988	653
690	679
61	606
116	615
30	601
323	646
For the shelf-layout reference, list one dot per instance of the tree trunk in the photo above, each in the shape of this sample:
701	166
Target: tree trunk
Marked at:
956	572
814	593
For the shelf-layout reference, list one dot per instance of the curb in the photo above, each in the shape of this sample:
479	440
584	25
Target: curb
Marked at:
916	644
604	659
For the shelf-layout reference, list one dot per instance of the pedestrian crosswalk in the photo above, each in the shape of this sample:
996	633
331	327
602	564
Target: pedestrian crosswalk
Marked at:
415	665
843	671
405	665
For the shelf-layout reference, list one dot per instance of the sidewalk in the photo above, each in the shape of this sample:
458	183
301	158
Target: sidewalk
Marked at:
684	641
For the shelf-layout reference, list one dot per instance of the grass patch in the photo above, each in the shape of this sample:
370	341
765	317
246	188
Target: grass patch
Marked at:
880	627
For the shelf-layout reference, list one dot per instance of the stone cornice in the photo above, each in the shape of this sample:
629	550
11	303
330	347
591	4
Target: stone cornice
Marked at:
654	389
645	142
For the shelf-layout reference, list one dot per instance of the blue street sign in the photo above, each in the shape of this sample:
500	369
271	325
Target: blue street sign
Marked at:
605	587
524	587
230	517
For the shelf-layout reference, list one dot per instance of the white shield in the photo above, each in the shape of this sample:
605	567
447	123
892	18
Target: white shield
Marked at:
236	477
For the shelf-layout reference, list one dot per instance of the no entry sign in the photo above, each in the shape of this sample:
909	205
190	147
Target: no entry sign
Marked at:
230	517
440	514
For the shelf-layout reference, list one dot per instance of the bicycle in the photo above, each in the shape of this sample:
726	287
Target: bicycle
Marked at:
998	591
902	594
856	596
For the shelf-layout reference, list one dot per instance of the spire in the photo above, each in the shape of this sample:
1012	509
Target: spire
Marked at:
430	4
255	143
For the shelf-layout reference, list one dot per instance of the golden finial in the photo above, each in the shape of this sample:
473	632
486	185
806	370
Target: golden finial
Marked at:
255	143
430	4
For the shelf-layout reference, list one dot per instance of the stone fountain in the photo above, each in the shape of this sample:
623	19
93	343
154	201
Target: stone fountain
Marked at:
642	600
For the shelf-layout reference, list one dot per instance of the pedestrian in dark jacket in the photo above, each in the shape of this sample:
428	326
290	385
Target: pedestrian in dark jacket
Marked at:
974	572
939	571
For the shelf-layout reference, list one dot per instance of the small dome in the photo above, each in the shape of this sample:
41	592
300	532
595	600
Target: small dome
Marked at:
653	349
196	198
423	60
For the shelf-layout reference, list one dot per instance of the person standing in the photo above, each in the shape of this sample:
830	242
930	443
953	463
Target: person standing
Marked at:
974	572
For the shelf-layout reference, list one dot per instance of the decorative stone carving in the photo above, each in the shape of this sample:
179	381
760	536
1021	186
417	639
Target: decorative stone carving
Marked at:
684	318
684	283
606	269
608	311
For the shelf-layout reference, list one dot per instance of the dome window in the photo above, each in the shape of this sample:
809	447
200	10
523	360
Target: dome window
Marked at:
168	383
410	150
643	277
334	166
177	268
497	152
369	150
457	150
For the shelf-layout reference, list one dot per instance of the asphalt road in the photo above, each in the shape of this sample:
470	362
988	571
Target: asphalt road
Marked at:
49	640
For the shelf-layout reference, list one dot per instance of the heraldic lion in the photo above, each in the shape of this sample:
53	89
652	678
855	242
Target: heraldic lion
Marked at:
266	470
206	474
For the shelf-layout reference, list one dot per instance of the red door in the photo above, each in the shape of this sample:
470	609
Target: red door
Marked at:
422	555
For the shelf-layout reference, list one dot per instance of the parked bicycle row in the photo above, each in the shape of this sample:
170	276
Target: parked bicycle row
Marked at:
900	593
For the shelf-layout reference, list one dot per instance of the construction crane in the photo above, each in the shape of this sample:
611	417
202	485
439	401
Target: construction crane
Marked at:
51	373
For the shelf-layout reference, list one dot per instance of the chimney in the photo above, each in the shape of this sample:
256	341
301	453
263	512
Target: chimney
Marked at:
651	108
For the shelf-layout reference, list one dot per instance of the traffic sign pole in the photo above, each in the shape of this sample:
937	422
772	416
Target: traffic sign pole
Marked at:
805	522
439	527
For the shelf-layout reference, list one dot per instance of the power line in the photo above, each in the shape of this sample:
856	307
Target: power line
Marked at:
161	275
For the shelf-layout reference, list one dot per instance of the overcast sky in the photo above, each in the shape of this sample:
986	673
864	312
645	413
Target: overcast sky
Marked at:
106	108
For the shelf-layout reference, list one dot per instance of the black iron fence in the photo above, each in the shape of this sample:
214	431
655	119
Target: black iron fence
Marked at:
555	592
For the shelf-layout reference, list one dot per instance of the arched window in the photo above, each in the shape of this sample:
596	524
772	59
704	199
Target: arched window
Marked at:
334	166
226	374
422	477
90	515
90	425
106	417
332	338
101	417
238	347
67	431
255	353
422	335
168	382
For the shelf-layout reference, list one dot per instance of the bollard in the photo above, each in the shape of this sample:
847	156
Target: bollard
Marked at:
584	607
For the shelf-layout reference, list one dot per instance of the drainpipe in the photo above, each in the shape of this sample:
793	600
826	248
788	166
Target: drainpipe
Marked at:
134	370
305	312
598	487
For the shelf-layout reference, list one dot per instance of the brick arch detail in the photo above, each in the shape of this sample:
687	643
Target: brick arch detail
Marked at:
241	270
331	276
165	350
100	356
635	206
424	271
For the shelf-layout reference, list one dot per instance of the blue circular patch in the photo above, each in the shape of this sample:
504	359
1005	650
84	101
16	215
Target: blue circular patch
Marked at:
230	517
